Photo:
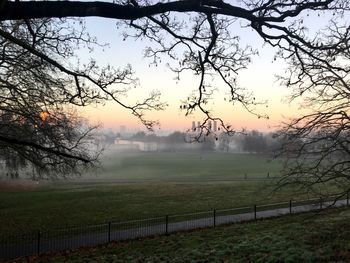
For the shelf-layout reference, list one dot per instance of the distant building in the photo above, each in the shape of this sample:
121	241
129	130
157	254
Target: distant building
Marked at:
193	125
212	126
122	129
136	145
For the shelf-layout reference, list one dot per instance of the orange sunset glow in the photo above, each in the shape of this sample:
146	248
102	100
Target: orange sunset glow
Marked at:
43	115
259	78
113	116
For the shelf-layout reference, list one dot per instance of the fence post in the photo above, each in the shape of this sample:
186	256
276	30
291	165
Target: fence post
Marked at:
214	217
290	206
38	247
109	232
166	224
255	212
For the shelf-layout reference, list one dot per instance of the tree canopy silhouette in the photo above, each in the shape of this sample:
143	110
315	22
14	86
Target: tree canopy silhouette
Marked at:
199	37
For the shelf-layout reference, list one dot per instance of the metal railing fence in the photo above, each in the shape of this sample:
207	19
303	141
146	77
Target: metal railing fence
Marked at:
85	236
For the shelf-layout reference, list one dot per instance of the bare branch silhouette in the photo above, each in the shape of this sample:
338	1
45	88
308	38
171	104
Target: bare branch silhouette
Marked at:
197	37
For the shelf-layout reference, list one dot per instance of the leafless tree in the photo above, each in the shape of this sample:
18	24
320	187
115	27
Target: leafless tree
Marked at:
40	85
316	149
200	37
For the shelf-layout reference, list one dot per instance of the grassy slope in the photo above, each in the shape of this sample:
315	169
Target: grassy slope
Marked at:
181	182
308	237
188	166
70	205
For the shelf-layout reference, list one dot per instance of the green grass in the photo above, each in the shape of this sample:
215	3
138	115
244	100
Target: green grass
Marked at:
179	183
78	204
187	166
311	237
135	186
58	206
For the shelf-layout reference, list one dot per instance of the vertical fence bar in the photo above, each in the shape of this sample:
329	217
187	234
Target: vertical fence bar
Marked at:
166	224
255	212
347	198
38	244
290	206
109	232
321	203
214	217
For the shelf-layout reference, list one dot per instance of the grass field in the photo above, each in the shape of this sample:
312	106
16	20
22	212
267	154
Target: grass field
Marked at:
187	166
311	237
140	186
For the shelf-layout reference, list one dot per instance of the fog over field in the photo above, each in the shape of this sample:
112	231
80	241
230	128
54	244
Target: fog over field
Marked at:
185	166
142	156
142	178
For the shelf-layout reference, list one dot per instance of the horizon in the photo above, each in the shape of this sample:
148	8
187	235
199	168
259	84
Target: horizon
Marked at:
174	92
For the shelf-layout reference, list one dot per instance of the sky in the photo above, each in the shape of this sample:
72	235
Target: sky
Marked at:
260	78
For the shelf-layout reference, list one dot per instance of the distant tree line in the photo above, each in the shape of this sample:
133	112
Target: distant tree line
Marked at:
250	142
176	141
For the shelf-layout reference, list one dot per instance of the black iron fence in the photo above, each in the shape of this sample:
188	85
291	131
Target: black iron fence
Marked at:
85	236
